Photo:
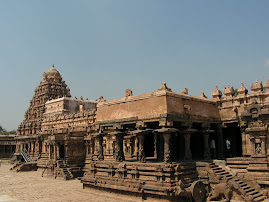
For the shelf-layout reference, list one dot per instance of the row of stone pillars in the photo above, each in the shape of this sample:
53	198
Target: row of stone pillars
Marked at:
33	147
7	148
22	147
98	137
168	132
165	132
205	133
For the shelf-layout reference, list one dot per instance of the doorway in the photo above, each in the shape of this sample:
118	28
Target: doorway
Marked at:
61	151
233	134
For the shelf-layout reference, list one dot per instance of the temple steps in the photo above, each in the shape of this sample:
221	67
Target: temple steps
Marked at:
260	198
250	190
245	187
64	171
26	166
68	176
239	164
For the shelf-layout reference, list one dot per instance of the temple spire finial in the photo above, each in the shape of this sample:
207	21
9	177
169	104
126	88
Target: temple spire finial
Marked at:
53	65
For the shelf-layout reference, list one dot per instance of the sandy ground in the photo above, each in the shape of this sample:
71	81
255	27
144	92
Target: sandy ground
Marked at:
30	186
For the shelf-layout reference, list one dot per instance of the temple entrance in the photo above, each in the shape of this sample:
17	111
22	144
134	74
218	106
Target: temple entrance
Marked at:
149	145
61	151
232	133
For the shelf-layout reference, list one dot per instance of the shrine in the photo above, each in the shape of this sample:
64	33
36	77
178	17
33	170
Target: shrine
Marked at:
162	144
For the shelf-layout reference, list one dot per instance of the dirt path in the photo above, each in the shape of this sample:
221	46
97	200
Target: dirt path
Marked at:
30	186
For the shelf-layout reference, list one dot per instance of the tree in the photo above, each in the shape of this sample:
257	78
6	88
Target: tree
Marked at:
236	92
2	130
12	132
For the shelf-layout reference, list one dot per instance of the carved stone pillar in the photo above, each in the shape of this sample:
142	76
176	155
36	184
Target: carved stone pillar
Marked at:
136	147
100	154
109	150
128	149
155	145
165	145
220	145
188	154
206	146
91	146
66	153
58	151
43	147
37	147
141	152
119	147
252	141
17	148
55	152
50	155
244	142
167	149
32	149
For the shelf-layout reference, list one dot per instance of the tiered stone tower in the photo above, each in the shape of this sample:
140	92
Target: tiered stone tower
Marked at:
51	87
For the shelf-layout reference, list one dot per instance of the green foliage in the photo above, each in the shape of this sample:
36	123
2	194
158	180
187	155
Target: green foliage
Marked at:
236	92
12	132
2	130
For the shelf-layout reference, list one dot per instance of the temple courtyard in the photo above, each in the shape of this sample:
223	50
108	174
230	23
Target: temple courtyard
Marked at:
30	186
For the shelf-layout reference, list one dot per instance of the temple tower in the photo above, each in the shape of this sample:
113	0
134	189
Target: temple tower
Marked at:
51	87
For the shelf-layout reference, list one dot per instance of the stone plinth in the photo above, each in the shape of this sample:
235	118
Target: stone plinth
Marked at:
172	181
258	164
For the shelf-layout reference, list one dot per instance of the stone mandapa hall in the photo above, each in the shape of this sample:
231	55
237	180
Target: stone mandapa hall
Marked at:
163	144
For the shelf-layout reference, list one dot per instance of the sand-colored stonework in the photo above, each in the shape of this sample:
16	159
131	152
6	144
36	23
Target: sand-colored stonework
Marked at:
149	144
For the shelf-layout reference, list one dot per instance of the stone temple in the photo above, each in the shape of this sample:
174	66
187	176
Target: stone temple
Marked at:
163	144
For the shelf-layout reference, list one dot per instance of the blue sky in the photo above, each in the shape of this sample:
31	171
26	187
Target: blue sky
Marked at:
103	47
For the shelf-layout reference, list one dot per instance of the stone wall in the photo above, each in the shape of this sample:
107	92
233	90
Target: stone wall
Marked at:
68	105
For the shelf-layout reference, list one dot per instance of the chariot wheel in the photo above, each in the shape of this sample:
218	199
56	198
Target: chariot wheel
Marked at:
198	191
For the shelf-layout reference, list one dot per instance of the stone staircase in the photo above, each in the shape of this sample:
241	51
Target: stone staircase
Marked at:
26	156
26	166
238	164
249	189
255	167
63	171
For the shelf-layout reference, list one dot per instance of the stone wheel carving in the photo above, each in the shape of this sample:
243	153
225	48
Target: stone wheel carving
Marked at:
198	191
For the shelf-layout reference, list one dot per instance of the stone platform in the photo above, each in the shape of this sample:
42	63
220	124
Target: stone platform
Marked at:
253	168
176	181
